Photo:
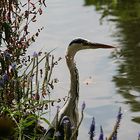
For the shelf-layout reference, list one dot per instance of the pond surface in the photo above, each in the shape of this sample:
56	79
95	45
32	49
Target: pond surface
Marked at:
108	79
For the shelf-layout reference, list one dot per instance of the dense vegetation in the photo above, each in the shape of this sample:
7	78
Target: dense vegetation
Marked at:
22	94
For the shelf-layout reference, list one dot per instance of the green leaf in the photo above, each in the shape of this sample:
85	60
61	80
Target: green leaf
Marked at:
45	120
31	119
29	123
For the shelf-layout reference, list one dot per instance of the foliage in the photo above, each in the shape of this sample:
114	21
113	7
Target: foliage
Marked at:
113	135
25	81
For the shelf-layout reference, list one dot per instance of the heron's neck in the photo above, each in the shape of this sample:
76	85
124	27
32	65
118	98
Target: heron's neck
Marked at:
74	77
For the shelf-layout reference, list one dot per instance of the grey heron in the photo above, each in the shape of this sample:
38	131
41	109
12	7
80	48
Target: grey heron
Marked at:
69	111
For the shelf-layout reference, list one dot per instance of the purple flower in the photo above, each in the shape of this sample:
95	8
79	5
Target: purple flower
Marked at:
5	77
83	106
92	128
139	136
119	114
101	137
35	54
58	107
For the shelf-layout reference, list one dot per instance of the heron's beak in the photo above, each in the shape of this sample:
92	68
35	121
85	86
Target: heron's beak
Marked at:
99	45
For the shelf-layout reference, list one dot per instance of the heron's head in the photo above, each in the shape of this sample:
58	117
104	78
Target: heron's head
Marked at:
81	44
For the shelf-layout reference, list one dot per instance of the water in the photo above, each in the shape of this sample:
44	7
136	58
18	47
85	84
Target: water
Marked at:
113	80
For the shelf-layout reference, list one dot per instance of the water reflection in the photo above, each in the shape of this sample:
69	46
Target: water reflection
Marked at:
126	14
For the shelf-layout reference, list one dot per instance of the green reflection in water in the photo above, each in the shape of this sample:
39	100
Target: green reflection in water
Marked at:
126	15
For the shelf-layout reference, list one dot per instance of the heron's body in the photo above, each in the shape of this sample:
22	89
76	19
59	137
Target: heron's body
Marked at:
70	109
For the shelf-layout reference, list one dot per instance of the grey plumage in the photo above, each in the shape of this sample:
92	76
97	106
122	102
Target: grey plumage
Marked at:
70	109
